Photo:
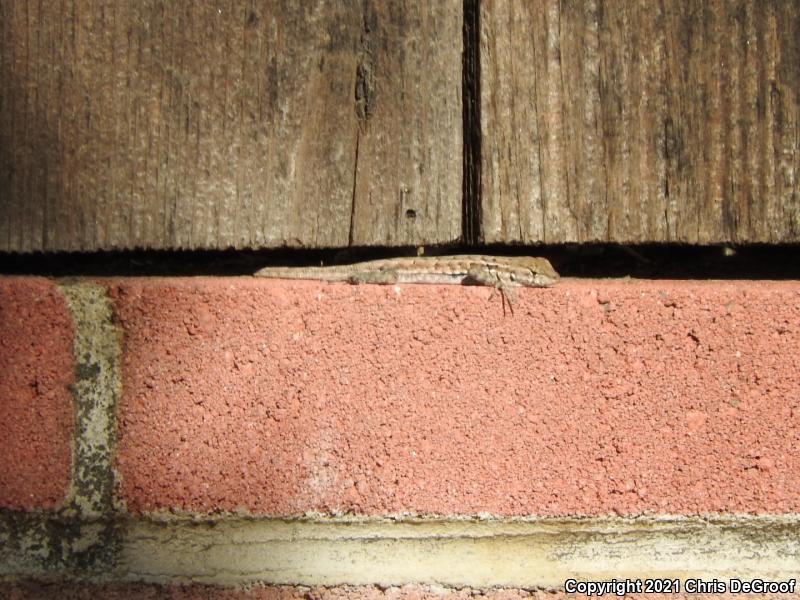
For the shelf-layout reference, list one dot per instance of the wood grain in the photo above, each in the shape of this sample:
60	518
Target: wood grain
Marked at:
640	121
229	123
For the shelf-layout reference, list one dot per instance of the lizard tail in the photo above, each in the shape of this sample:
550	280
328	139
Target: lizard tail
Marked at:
316	273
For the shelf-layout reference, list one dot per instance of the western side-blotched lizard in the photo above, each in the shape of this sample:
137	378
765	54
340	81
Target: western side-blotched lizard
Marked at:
501	272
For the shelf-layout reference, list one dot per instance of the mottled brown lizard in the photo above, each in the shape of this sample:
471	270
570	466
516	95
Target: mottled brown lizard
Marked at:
501	272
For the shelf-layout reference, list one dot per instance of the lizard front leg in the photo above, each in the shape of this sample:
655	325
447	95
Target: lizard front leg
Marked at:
481	275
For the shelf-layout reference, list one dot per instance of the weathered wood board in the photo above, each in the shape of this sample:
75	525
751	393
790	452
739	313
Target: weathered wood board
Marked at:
229	123
640	121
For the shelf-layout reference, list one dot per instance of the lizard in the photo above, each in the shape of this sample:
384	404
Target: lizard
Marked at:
500	272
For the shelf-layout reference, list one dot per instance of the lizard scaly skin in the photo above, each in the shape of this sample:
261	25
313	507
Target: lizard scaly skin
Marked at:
502	272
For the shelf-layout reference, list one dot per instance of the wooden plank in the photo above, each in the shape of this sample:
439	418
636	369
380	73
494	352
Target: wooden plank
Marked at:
229	123
640	121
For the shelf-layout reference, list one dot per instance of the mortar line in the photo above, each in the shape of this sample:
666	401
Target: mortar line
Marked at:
82	539
96	348
452	553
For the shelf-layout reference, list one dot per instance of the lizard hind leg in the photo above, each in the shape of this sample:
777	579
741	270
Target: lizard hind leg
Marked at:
381	277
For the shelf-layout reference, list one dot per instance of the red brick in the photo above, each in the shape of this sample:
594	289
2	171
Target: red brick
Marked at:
594	397
36	411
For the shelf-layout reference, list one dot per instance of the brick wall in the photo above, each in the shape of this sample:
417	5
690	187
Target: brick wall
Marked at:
234	437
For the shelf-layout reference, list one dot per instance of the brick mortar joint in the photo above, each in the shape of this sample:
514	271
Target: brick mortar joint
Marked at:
97	387
454	553
277	551
84	535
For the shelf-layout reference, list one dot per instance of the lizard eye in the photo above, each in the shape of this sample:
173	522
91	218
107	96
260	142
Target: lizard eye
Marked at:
513	276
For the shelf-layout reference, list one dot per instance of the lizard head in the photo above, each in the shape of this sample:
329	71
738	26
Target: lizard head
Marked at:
534	270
